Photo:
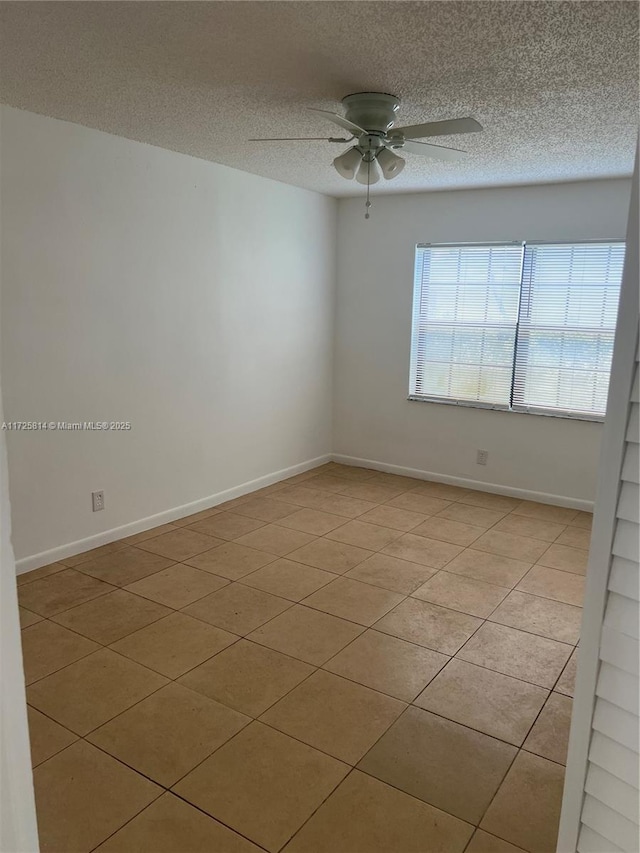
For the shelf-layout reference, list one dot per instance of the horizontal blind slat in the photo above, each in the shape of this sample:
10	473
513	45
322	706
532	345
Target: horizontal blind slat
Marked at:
613	792
610	824
616	723
616	759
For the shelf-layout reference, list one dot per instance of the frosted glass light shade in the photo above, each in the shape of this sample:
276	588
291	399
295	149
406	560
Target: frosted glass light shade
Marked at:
390	164
373	171
346	164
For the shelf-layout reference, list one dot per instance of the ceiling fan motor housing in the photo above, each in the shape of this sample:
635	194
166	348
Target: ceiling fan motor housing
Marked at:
374	111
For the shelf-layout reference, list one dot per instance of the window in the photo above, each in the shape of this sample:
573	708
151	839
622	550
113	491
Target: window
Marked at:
516	326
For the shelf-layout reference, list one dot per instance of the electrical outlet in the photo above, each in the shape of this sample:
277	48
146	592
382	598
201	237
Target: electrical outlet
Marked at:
482	457
97	501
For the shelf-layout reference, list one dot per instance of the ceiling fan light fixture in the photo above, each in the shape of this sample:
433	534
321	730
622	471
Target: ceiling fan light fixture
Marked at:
390	164
368	173
347	164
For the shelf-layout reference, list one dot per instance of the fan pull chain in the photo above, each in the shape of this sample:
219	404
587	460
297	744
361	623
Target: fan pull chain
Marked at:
368	203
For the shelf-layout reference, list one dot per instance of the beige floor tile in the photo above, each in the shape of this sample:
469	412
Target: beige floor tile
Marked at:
312	521
567	681
475	515
526	656
526	809
576	537
328	483
331	556
583	520
42	572
364	535
227	525
125	566
195	517
533	528
486	500
408	483
288	579
546	512
487	701
265	509
93	554
419	549
231	560
391	573
47	647
87	693
325	501
391	516
366	816
490	568
149	534
446	530
429	625
542	616
27	618
482	842
247	677
175	644
169	825
263	784
509	545
415	755
550	735
377	493
353	600
168	733
554	584
83	796
337	716
276	540
461	593
177	586
180	544
306	634
60	591
46	737
419	502
566	559
237	608
112	616
352	472
439	490
387	664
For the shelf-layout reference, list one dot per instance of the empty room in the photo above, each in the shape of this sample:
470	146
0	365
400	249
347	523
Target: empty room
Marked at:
320	427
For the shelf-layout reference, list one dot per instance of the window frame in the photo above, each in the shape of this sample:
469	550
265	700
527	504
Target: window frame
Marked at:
591	417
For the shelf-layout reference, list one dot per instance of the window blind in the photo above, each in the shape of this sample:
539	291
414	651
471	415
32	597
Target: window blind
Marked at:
526	327
464	322
568	310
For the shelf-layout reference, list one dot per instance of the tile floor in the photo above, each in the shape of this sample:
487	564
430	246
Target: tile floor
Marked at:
344	662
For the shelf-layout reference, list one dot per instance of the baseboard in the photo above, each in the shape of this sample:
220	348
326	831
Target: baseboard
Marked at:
495	488
27	564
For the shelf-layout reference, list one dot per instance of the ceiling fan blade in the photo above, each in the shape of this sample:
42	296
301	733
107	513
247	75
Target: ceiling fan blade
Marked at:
301	139
439	128
428	150
341	121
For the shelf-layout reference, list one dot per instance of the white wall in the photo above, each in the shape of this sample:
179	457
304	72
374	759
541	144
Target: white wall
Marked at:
372	418
140	285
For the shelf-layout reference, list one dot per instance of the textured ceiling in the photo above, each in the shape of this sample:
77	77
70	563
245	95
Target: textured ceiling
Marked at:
555	84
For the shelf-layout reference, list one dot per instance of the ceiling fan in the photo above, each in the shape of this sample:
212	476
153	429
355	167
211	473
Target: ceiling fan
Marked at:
370	118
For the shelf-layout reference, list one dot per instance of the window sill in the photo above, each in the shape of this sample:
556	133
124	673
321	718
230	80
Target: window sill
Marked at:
547	413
